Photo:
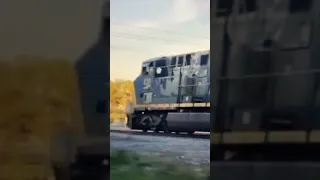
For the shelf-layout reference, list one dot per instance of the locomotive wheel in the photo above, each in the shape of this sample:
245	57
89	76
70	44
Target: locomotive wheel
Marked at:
161	124
145	121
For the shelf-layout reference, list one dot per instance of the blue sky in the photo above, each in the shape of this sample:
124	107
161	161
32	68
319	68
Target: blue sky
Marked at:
143	29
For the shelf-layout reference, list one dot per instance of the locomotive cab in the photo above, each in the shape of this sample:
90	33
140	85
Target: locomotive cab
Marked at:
176	79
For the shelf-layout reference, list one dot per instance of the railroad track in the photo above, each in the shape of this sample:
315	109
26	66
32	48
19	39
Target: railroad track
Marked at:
132	132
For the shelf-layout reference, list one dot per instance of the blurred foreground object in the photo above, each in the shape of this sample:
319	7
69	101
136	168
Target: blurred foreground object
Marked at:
265	84
39	99
54	118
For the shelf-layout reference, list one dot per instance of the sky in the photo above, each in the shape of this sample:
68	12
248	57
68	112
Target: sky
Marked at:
144	29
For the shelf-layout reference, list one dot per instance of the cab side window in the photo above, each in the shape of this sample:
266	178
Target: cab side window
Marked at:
188	60
180	61
147	69
204	60
173	62
161	68
173	65
144	70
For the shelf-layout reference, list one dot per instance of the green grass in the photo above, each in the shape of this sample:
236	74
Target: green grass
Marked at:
129	166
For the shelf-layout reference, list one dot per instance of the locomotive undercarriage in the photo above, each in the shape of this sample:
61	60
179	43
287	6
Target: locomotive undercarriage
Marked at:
178	121
152	121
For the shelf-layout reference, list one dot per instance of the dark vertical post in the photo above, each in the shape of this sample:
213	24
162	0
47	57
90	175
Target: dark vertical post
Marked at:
94	79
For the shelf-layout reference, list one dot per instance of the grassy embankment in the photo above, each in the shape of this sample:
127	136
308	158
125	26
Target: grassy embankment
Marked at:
128	166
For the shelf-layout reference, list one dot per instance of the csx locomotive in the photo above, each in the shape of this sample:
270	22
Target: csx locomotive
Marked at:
172	94
266	81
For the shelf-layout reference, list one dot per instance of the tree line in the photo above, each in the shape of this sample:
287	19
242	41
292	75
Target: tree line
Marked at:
121	93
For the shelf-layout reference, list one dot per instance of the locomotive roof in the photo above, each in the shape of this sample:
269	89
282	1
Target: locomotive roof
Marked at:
156	58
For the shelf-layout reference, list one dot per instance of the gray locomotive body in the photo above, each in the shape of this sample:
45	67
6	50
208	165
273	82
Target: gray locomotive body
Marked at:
171	92
265	65
265	80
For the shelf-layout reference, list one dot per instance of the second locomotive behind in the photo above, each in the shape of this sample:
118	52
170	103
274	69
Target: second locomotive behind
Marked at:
172	94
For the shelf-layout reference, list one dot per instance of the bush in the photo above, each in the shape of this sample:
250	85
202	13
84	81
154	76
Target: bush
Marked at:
121	93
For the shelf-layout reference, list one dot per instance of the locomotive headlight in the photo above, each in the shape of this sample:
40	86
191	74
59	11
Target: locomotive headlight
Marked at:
159	70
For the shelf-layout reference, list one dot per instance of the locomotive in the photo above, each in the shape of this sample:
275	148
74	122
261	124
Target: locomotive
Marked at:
172	94
265	80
